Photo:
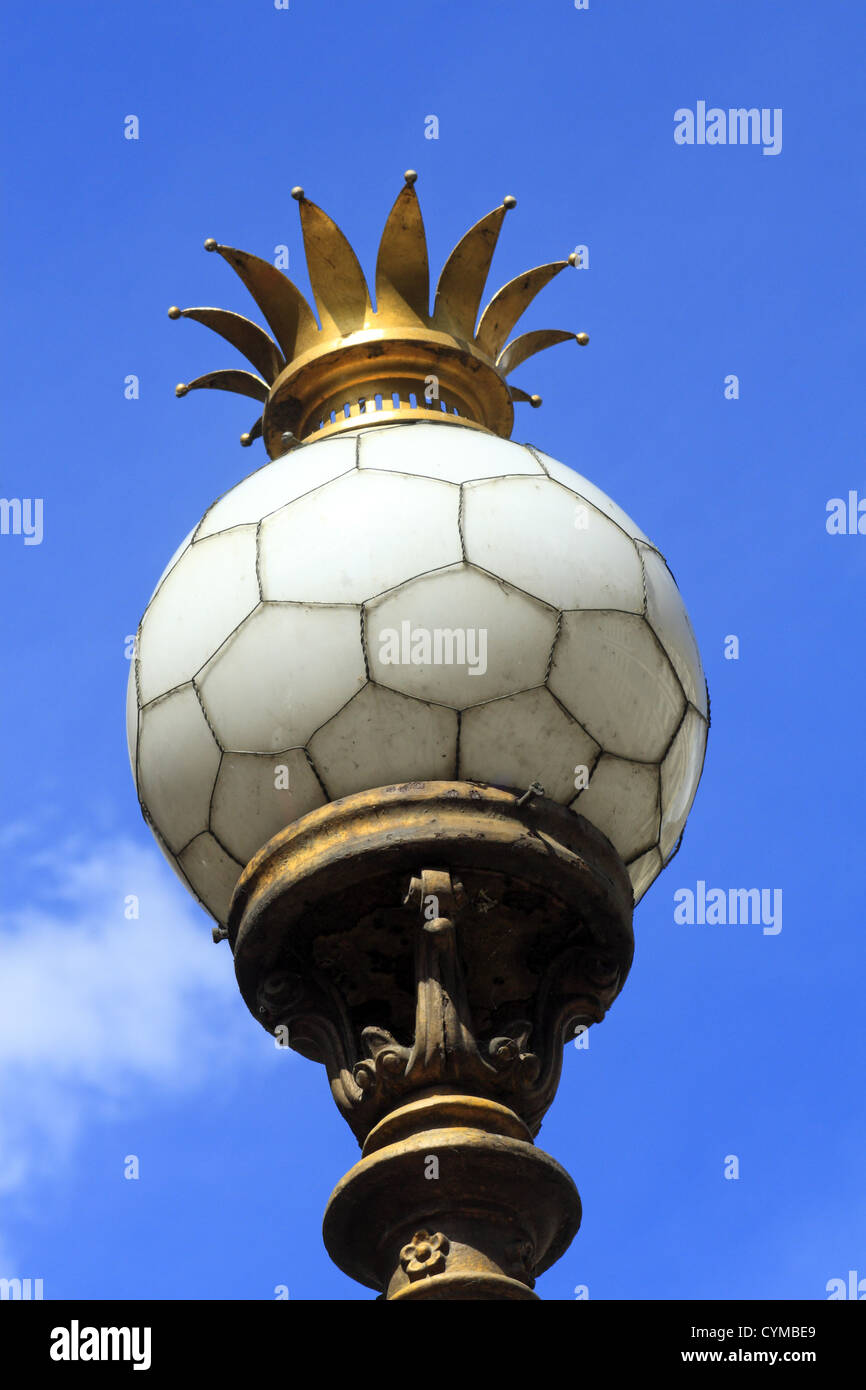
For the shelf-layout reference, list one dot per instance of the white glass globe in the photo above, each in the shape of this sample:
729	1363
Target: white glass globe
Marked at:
410	602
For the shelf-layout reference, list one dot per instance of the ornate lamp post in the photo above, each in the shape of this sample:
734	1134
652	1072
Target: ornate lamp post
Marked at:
417	714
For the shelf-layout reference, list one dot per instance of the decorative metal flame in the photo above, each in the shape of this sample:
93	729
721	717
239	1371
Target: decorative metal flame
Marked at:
366	365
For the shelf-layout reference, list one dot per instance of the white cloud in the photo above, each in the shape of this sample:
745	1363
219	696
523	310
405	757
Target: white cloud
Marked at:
97	1011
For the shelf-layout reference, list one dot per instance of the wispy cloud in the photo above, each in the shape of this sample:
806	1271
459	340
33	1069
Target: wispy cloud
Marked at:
98	1009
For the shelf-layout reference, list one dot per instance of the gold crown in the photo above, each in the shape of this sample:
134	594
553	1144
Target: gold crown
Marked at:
394	362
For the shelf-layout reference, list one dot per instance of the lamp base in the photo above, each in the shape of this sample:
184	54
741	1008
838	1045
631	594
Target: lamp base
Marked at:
451	1200
441	1028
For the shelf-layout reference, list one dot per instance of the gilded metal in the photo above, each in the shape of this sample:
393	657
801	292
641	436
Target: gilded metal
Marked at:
255	344
241	383
464	274
339	287
285	309
394	363
433	945
519	349
507	305
402	272
518	395
499	1213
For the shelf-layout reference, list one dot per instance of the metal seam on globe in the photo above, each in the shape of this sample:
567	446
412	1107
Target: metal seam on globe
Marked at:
549	666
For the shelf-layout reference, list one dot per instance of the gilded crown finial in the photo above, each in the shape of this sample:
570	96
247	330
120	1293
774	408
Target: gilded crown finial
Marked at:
355	364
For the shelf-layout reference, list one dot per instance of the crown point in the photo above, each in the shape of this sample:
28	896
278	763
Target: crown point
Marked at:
246	441
181	389
174	312
210	244
535	402
582	338
509	202
298	193
410	176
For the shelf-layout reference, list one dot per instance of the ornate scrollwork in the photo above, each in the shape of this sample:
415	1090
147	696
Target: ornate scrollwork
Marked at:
372	1071
445	1048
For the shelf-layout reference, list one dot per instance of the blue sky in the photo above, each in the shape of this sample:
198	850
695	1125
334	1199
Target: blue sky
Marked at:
128	1037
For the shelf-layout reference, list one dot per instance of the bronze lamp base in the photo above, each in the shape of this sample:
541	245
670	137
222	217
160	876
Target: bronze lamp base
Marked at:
433	944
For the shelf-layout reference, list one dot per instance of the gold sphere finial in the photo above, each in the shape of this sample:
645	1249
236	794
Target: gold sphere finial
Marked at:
582	338
210	244
573	258
410	176
298	193
174	312
246	440
509	201
535	402
181	388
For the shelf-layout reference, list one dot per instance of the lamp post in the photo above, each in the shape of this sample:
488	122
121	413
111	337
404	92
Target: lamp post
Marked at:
417	714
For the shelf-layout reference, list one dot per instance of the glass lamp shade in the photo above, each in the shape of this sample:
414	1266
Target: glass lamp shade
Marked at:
412	602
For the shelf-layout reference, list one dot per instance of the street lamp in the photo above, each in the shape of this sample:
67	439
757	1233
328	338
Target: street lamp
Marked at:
418	715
